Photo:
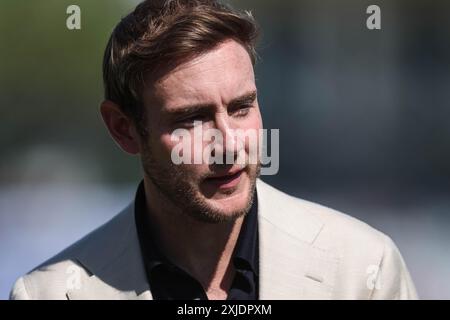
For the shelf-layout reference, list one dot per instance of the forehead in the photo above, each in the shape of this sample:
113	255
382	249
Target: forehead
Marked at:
217	76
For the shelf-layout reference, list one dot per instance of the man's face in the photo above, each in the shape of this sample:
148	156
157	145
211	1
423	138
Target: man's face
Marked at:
217	88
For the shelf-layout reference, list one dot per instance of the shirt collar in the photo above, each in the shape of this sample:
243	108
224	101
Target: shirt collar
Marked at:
246	250
152	256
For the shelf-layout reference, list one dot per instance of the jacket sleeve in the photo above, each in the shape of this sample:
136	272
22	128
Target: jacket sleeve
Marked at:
394	280
19	291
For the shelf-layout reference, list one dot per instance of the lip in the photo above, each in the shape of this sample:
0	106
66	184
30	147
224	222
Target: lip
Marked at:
230	180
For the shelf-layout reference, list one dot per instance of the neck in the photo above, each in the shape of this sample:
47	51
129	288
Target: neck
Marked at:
204	250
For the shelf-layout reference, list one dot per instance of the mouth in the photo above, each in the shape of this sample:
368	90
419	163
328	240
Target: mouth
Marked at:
227	181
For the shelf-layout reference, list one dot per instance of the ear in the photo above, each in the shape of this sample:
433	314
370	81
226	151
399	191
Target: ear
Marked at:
120	126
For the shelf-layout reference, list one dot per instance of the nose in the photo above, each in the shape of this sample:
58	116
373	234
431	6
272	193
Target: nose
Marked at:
231	144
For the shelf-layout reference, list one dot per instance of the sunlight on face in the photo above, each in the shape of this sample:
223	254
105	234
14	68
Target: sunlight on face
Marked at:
217	88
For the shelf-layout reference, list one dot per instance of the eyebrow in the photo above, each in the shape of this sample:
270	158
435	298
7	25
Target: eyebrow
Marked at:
246	98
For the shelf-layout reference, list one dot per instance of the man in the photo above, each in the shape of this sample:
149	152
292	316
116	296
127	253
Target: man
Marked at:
207	230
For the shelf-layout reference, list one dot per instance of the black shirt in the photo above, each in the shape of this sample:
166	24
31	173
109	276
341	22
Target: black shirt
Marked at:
168	282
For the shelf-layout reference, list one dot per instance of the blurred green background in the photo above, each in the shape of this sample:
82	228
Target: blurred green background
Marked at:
363	118
50	90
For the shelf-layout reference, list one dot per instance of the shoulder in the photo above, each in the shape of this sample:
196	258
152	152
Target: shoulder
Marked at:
367	258
68	269
48	282
294	213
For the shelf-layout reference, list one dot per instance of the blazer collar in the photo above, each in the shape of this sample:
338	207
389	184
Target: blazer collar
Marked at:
291	267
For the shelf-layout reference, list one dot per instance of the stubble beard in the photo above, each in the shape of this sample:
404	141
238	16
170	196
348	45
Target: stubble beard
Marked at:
176	186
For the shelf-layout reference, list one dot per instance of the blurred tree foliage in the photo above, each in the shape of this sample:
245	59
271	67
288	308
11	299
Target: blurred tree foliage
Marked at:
50	82
352	105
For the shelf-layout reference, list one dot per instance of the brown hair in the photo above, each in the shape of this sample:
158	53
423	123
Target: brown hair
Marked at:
161	34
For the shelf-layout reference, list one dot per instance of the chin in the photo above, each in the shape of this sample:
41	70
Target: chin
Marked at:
234	204
231	208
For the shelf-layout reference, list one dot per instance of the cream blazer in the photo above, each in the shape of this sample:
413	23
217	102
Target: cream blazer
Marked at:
307	251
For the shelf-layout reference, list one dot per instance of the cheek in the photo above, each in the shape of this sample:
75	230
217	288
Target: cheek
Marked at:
167	146
253	123
159	146
254	120
166	143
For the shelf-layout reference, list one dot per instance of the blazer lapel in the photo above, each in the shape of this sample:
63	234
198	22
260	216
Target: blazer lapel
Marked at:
291	267
115	263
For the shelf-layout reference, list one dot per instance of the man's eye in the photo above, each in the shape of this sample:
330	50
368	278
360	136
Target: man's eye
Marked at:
189	121
242	111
